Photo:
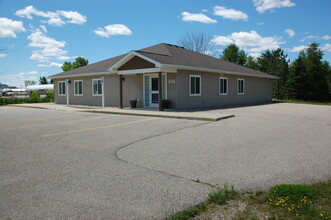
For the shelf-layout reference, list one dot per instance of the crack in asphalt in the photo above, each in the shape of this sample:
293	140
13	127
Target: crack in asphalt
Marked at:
160	171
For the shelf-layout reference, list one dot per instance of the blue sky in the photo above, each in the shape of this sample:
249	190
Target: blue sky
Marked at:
38	36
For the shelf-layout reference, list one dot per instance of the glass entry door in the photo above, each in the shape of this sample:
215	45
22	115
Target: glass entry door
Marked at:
154	91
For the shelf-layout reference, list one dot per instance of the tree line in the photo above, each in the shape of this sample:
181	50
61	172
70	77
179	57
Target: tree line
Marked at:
306	78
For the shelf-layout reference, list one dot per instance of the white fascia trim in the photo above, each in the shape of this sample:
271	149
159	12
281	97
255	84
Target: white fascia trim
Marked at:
138	71
81	75
146	70
128	57
215	71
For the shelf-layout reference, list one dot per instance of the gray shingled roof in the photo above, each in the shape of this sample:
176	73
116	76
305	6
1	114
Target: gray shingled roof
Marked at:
97	67
170	55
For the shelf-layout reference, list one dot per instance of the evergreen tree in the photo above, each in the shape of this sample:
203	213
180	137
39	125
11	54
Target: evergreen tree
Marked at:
316	74
309	75
327	69
251	62
233	54
275	62
296	83
43	80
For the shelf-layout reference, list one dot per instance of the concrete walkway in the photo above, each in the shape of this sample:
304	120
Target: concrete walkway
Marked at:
197	115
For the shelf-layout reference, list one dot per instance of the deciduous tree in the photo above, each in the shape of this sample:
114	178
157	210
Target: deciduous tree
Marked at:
29	82
79	62
198	42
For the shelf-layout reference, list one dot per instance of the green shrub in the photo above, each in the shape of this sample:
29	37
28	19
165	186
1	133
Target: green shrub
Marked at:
50	95
34	97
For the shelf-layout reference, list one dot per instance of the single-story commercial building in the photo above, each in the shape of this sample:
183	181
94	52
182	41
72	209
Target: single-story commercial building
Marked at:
185	78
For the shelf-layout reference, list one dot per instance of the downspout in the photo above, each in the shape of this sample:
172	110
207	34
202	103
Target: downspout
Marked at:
67	90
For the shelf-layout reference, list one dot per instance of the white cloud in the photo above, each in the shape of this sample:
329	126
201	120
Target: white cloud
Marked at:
327	47
249	41
36	55
325	37
265	5
27	12
9	27
114	29
52	64
255	55
261	23
63	58
73	16
54	18
48	48
19	78
210	53
298	48
290	33
230	13
43	28
30	73
56	21
197	17
2	55
40	40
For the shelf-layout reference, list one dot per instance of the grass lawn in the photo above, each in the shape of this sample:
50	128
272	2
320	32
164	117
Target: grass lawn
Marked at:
283	201
305	102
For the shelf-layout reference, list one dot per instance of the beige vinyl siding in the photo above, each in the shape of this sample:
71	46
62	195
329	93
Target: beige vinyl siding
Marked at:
256	90
111	87
132	89
171	89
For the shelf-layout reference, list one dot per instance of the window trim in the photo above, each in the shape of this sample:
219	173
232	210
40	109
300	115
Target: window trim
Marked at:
195	76
93	87
65	88
238	80
227	85
80	80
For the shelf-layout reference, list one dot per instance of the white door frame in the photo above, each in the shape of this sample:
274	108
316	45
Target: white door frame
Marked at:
165	88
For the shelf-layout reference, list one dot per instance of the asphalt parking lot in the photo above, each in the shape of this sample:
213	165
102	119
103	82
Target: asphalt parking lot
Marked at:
61	164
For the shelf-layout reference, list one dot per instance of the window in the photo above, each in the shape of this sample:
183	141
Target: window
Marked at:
223	85
240	86
195	85
62	88
97	87
155	84
78	87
